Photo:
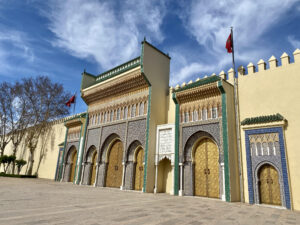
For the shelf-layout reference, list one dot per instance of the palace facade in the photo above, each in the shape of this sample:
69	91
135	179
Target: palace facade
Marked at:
235	139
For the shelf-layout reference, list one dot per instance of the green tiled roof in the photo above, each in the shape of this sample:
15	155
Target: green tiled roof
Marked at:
119	69
76	116
203	81
262	119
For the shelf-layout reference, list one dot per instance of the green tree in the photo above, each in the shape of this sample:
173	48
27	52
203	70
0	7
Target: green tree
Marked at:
19	164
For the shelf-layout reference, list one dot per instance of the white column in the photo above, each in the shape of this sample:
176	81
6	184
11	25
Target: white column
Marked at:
78	160
223	173
173	176
181	181
82	173
155	188
96	178
123	176
63	173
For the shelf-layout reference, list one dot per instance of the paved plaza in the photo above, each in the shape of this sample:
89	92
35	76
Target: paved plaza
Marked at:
38	201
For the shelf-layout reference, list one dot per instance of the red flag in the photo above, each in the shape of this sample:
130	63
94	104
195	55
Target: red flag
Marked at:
71	100
229	44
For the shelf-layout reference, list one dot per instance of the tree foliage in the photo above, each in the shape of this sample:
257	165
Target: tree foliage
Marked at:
26	109
47	103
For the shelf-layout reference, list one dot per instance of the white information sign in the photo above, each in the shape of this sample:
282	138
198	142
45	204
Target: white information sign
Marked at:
165	141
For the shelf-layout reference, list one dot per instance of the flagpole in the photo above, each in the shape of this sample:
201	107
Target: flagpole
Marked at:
75	103
236	104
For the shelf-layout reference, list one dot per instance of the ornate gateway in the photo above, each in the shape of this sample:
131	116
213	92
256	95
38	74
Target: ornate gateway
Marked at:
207	169
114	167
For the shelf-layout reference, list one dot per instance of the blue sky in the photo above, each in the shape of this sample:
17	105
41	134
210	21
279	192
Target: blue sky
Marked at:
62	38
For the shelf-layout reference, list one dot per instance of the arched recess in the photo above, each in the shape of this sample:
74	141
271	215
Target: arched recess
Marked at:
114	158
203	166
70	164
164	176
268	184
90	166
134	173
102	158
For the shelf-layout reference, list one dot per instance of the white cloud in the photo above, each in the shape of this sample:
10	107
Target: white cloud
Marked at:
294	42
209	22
14	45
107	32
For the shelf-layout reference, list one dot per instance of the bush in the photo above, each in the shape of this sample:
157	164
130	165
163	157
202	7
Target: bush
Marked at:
6	161
2	174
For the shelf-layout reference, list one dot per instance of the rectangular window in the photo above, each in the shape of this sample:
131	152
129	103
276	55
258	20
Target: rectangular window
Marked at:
195	115
204	114
133	109
105	117
125	112
186	117
141	109
118	113
111	116
214	113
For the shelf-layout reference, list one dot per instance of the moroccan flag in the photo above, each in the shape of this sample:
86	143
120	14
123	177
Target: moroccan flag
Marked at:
71	100
229	44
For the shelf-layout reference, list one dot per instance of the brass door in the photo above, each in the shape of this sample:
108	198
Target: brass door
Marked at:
74	158
93	176
269	187
139	170
207	169
115	168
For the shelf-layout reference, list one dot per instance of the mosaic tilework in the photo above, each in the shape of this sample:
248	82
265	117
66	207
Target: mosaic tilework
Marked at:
253	198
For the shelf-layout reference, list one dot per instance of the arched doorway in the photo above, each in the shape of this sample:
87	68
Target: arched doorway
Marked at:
114	167
206	159
93	168
139	170
269	188
164	178
73	158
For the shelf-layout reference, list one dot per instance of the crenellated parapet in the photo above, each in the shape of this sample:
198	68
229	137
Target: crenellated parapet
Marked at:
252	68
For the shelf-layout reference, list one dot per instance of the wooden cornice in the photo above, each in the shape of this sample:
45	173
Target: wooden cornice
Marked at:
198	93
122	85
73	123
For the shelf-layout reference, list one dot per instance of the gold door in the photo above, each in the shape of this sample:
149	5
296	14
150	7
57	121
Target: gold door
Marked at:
94	161
115	168
269	187
207	169
139	170
74	158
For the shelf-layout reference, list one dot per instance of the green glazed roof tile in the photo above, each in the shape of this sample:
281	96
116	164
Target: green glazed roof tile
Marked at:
262	119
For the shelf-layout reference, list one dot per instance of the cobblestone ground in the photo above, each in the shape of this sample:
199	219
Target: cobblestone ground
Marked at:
38	201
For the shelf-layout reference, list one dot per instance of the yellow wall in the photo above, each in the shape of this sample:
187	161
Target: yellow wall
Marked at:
157	70
170	108
47	146
271	91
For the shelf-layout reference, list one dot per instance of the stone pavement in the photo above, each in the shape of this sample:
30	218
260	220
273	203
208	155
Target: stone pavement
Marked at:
38	201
